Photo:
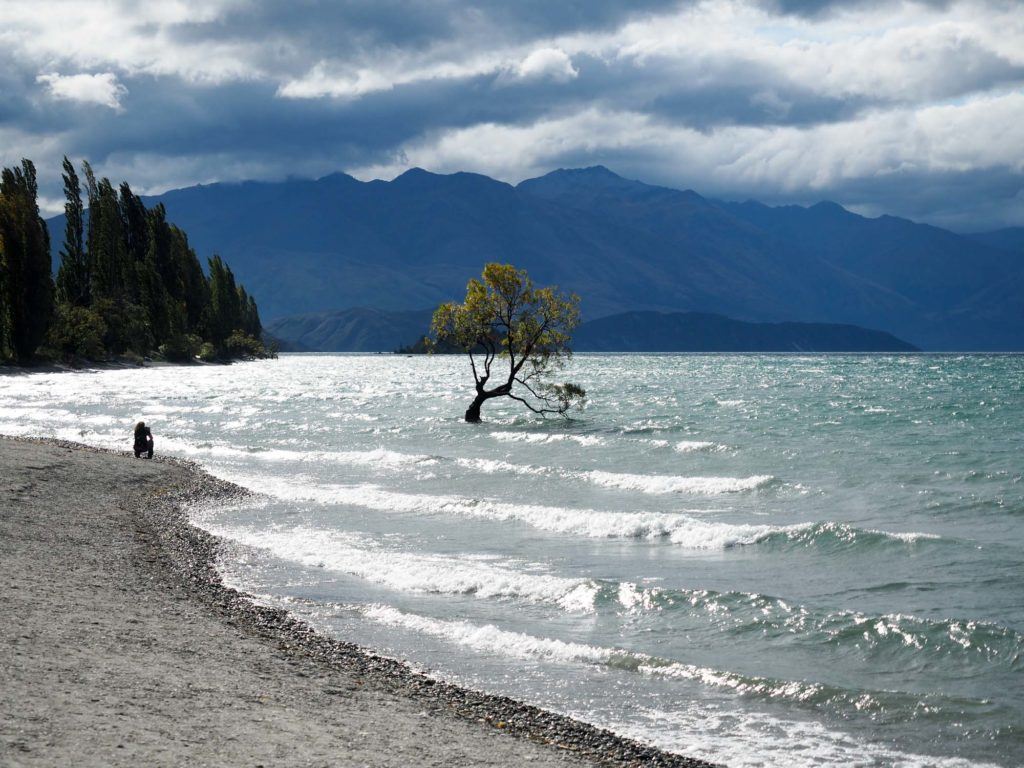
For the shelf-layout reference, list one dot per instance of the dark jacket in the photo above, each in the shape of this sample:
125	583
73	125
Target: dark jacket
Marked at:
143	438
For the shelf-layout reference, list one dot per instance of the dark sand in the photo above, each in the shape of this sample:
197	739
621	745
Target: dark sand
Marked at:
120	646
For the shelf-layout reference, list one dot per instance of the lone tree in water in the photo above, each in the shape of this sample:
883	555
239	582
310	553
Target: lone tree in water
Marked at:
516	336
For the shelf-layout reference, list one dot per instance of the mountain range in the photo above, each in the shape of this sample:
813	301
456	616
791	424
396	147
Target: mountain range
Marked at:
373	330
305	246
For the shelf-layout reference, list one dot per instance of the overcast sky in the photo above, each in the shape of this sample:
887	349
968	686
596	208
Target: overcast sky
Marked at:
910	108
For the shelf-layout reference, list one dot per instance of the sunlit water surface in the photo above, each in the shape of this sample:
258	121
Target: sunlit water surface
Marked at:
758	560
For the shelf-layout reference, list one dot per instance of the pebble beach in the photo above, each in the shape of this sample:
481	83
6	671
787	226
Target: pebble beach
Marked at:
123	646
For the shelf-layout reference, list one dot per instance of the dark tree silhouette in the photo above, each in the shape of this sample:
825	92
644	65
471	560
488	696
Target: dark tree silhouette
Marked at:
73	275
26	282
128	282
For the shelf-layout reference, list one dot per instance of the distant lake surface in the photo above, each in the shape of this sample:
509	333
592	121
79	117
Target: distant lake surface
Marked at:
752	559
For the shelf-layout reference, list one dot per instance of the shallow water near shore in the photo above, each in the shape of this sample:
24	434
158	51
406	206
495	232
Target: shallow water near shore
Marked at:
756	560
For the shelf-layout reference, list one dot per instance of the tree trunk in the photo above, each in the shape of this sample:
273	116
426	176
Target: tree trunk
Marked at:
473	412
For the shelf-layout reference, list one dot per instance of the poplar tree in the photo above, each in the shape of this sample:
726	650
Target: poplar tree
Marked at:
162	291
27	299
92	195
107	247
6	348
196	287
249	316
224	314
73	274
128	280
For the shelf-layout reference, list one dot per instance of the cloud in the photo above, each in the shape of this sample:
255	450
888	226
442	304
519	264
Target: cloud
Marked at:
547	62
336	80
787	100
219	41
101	88
888	54
130	38
870	153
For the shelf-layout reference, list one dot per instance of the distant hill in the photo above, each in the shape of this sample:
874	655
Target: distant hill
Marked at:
1009	239
305	246
702	332
372	330
351	330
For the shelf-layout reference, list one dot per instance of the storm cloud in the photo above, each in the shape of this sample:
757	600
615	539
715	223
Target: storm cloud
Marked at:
909	108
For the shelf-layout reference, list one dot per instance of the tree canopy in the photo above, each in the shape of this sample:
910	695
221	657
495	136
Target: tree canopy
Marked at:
26	283
128	284
517	337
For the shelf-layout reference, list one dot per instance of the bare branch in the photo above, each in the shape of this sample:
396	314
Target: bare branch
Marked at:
533	392
541	411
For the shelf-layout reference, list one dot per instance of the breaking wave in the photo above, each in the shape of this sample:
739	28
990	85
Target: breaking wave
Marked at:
489	638
413	572
541	437
680	529
913	638
653	484
377	457
660	484
693	446
833	536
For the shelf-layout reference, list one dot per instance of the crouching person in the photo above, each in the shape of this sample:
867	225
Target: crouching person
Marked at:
143	440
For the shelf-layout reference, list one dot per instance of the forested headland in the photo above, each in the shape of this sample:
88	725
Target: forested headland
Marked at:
129	286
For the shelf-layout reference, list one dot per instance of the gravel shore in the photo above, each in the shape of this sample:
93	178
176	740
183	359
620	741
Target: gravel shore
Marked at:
121	646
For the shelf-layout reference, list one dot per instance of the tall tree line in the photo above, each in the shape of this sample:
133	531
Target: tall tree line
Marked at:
26	283
128	282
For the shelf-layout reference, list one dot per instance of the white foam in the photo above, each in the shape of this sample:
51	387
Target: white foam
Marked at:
680	529
756	739
661	484
697	534
690	446
656	443
747	751
817	744
489	638
377	457
18	430
492	639
910	537
412	572
540	437
631	597
492	466
656	484
120	440
386	459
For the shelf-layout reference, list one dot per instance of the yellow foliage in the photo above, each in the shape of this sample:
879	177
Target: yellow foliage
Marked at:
505	317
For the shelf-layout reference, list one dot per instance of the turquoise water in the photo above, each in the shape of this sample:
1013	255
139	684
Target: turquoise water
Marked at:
758	560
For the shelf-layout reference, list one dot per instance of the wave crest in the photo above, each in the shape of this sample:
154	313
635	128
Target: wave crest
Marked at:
413	572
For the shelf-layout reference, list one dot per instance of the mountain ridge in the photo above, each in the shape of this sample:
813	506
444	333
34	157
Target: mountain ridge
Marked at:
316	245
364	329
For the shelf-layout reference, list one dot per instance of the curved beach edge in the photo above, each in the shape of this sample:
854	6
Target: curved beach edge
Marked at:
185	555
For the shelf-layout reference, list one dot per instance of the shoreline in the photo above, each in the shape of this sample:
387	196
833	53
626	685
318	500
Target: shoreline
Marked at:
177	556
87	366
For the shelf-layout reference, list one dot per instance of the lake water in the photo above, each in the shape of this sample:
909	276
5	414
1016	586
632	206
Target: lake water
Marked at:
757	560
